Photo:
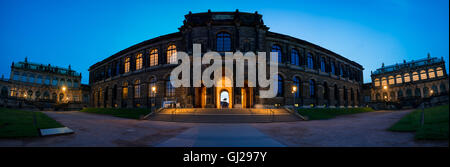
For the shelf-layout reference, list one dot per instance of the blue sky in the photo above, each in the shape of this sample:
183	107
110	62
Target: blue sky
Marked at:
82	32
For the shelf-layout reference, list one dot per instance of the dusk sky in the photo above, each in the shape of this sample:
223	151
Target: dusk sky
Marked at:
81	33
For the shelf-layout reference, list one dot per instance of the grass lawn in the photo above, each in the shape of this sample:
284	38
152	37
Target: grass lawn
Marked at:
328	113
435	124
19	123
119	112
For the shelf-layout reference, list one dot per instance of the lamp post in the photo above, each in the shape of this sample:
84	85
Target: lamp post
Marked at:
385	97
154	95
294	90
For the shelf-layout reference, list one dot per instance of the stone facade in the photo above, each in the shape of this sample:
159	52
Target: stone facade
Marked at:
415	79
125	79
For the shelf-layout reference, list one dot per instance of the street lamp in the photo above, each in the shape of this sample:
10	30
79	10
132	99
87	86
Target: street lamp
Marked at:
154	96
294	90
64	88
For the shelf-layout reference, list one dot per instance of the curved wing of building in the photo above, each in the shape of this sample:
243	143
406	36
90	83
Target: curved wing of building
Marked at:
138	76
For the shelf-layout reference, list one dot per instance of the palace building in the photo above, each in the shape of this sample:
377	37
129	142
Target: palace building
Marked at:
32	82
410	80
138	76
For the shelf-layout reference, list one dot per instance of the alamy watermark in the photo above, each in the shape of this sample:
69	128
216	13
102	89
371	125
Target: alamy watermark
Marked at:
215	69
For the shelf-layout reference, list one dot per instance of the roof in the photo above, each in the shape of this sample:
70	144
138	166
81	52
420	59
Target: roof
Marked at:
410	64
45	68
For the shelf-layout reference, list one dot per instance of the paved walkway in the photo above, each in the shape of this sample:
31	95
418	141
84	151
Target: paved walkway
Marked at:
366	129
214	135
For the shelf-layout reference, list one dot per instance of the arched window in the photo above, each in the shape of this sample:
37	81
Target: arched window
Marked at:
75	84
154	57
442	88
277	48
280	87
383	81
439	72
385	96
326	91
39	79
151	85
391	80
408	92
431	73
171	54
296	83
322	64
423	75
341	70
170	90
223	42
16	76
62	82
426	92
295	59
378	97
391	96
47	80
406	77
69	83
125	90
137	89
399	95
310	61
333	70
55	81
336	93
415	76
398	79
417	92
377	82
127	64
312	88
435	90
31	78
139	61
24	77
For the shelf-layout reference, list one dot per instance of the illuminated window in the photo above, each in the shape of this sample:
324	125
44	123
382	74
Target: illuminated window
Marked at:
171	54
276	48
439	72
125	90
127	65
423	75
398	79
391	80
406	77
295	60
383	81
139	61
377	82
223	42
137	89
333	70
415	76
431	73
154	57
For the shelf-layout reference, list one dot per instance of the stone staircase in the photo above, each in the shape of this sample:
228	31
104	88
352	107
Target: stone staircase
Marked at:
213	115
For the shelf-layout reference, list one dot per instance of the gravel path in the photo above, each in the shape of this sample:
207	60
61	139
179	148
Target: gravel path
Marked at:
357	130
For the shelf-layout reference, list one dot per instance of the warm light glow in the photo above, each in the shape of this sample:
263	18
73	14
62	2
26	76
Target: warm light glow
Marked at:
384	87
385	97
64	88
154	88
431	91
294	89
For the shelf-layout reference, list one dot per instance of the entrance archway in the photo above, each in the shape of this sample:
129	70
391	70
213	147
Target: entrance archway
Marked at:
200	97
227	85
247	96
224	99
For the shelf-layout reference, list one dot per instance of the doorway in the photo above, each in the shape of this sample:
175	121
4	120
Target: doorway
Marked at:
224	99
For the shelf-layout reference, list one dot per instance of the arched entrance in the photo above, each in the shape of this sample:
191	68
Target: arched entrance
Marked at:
227	86
224	99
